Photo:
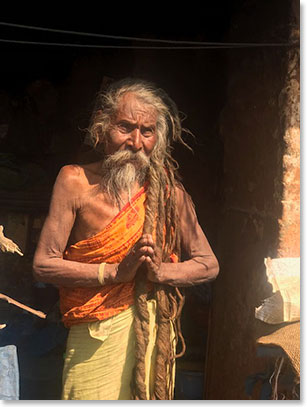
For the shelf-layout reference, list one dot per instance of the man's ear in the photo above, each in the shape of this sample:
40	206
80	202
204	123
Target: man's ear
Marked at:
101	145
100	148
103	142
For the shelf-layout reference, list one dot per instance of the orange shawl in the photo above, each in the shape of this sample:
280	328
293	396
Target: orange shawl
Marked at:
109	246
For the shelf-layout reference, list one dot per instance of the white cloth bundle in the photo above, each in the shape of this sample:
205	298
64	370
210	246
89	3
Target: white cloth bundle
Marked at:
284	304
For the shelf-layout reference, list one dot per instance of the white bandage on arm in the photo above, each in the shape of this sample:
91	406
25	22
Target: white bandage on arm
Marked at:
101	273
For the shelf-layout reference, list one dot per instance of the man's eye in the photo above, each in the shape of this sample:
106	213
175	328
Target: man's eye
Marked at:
148	132
124	127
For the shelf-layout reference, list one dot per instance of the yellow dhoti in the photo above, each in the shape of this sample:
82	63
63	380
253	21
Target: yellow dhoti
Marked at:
100	359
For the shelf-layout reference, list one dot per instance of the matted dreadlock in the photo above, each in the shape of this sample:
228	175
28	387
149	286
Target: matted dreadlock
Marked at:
161	217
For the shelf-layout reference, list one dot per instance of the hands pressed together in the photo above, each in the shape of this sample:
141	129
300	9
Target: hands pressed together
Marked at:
144	251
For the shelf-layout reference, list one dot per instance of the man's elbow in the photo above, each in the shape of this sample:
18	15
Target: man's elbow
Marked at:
38	270
214	269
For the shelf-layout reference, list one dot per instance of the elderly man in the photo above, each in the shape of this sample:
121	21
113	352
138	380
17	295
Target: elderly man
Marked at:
112	243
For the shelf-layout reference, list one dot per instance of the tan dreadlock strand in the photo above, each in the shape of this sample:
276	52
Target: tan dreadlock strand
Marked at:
160	207
141	319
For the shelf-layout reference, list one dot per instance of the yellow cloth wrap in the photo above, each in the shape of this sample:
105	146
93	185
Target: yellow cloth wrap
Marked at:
100	358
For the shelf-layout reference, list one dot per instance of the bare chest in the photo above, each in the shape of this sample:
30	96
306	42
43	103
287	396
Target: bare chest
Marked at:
93	214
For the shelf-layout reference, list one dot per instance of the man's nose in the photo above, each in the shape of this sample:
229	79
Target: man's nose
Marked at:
136	139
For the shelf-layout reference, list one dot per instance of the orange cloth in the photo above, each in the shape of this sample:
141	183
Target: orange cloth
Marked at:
111	245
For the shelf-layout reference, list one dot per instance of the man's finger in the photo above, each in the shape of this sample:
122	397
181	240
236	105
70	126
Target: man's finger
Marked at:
148	260
146	240
140	260
142	243
147	250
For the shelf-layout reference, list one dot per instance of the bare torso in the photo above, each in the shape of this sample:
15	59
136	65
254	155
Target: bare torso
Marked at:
79	209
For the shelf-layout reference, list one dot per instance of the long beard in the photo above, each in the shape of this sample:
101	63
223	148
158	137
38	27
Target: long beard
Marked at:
123	170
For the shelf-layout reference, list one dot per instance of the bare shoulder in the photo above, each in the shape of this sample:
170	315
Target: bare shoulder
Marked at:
181	193
71	183
78	176
180	190
70	172
70	177
70	187
183	198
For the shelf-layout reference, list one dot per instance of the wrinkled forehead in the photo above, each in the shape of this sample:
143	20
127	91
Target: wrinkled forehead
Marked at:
132	107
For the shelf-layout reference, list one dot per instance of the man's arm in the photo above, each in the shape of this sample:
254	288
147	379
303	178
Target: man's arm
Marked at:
49	265
202	265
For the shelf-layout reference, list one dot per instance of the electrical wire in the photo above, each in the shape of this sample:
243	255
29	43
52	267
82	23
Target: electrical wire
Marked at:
135	46
192	44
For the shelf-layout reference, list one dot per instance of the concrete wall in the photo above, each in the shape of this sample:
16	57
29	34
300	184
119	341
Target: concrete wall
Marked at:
260	217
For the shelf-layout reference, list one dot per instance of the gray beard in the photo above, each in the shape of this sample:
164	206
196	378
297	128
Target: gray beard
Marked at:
121	171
